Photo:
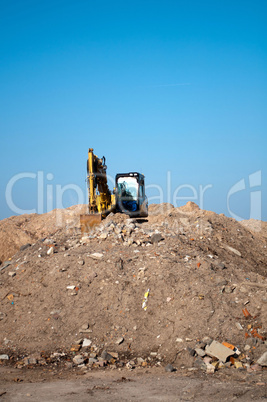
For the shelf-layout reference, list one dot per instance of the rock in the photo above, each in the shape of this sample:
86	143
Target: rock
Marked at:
85	326
2	315
129	366
210	368
50	251
207	359
218	264
4	357
115	355
119	341
200	364
92	360
79	359
156	237
247	347
233	250
140	360
86	343
106	356
207	340
25	246
169	368
262	361
12	274
96	256
191	351
200	352
221	352
179	340
229	289
239	326
77	347
81	262
103	236
238	364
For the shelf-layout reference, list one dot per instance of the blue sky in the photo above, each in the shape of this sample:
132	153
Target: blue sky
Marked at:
174	89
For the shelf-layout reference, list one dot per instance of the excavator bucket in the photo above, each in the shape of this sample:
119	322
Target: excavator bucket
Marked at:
88	221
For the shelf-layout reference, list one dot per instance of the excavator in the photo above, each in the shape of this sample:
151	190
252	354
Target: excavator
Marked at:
128	195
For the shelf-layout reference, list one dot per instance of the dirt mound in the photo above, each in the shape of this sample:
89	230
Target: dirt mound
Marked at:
151	287
189	207
19	230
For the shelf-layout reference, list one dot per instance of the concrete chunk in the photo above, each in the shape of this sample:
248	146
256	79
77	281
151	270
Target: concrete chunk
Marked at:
221	352
262	361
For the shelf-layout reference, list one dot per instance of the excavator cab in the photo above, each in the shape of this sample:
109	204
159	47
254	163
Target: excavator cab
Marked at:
130	194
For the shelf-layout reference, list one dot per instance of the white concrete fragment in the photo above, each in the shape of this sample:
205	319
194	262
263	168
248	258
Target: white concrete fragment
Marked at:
86	343
221	352
96	256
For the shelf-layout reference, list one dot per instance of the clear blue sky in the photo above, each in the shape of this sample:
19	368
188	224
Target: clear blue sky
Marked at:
155	86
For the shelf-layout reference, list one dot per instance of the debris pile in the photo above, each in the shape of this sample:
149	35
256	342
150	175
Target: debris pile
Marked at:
184	287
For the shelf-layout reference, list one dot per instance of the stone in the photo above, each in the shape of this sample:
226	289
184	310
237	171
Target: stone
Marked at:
81	262
239	326
207	340
200	352
191	351
92	360
262	361
119	341
140	360
96	256
85	326
115	355
233	250
238	364
179	340
218	264
12	274
4	357
25	246
247	347
106	356
103	236
221	352
169	368
76	348
86	343
207	359
50	251
200	364
79	359
156	237
210	369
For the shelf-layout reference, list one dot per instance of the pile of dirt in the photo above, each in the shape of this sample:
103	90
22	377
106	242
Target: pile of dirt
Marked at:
28	228
154	288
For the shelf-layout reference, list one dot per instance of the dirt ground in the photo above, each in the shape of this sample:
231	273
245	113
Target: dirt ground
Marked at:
151	384
128	298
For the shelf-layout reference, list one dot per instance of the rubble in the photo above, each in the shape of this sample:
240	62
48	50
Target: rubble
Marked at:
158	290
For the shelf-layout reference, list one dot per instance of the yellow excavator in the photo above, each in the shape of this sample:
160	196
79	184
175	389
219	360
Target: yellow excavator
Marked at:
128	195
